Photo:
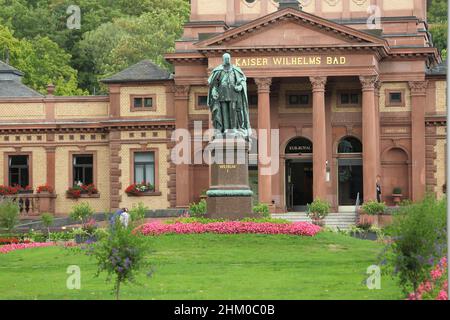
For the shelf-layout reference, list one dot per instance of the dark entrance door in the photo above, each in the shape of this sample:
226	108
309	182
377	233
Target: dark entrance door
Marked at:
350	177
299	184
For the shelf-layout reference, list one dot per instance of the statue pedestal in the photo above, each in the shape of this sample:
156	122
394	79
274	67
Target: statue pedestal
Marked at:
229	196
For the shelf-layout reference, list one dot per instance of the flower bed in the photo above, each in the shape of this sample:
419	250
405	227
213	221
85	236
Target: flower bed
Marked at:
20	246
435	288
231	227
13	240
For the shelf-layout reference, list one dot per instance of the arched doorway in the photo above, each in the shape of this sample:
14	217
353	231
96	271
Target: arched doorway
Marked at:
395	171
299	174
350	171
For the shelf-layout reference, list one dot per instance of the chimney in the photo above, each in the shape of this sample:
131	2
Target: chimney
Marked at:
295	4
50	89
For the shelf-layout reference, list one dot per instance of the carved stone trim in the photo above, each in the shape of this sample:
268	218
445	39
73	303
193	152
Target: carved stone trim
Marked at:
263	84
418	87
368	82
182	91
318	83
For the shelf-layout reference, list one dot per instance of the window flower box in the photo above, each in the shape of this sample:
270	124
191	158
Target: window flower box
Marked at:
141	189
45	189
8	190
82	191
24	190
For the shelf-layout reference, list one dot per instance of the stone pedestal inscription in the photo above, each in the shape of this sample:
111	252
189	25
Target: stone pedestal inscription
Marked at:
229	196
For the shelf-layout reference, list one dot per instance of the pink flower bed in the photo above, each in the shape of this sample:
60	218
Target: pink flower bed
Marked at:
20	246
231	227
436	287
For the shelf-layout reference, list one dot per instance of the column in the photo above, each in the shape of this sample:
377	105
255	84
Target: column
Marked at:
369	129
418	97
182	122
264	143
319	138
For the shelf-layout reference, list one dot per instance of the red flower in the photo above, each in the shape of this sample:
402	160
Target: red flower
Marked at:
44	188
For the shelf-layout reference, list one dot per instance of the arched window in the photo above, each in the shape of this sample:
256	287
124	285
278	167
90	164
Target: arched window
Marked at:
350	145
299	145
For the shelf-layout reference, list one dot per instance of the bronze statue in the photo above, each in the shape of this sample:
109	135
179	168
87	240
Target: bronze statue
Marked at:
228	100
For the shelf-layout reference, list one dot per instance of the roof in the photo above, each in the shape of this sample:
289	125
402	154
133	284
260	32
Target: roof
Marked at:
439	70
11	88
6	68
142	71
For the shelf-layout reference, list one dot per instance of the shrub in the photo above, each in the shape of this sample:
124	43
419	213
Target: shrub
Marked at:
418	242
137	213
262	209
121	255
373	207
397	190
81	212
198	209
9	215
318	209
47	221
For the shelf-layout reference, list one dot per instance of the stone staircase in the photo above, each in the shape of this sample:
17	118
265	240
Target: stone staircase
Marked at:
341	220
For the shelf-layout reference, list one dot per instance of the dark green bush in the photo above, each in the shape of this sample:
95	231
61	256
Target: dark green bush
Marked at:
9	215
198	209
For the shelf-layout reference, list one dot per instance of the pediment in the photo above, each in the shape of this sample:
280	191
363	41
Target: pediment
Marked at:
290	28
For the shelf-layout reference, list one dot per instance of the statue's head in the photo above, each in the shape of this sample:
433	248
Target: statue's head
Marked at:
226	59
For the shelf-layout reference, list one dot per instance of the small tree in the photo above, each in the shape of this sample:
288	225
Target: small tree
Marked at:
9	215
47	221
418	242
121	255
81	212
198	209
137	213
262	209
318	209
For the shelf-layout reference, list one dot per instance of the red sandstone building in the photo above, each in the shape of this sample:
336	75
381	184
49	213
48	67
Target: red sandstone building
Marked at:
354	102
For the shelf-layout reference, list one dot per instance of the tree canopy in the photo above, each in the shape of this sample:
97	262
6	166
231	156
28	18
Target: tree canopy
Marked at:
114	34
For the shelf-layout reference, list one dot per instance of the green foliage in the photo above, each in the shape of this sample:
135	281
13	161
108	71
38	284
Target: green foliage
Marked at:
262	209
418	242
207	220
121	255
397	190
42	61
437	11
372	207
318	209
439	35
137	213
9	215
47	219
198	209
81	212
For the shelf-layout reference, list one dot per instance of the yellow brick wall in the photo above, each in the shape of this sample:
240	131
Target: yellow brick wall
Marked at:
81	109
20	111
395	86
137	135
161	101
441	96
439	162
282	107
153	202
64	205
398	5
212	7
3	164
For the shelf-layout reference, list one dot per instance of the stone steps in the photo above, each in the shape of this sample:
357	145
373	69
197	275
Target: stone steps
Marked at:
342	220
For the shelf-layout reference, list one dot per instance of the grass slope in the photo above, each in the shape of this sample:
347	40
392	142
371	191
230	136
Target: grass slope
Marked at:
328	266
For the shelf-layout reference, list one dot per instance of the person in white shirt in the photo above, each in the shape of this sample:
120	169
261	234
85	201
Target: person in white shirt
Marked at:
124	217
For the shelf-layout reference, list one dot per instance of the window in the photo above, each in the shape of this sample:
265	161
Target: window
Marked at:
202	101
143	103
144	167
349	99
83	169
299	99
395	98
19	170
350	145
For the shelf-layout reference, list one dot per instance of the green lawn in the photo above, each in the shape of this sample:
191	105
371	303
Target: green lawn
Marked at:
327	266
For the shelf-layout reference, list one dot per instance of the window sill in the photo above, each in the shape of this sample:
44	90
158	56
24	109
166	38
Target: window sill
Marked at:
146	194
85	196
